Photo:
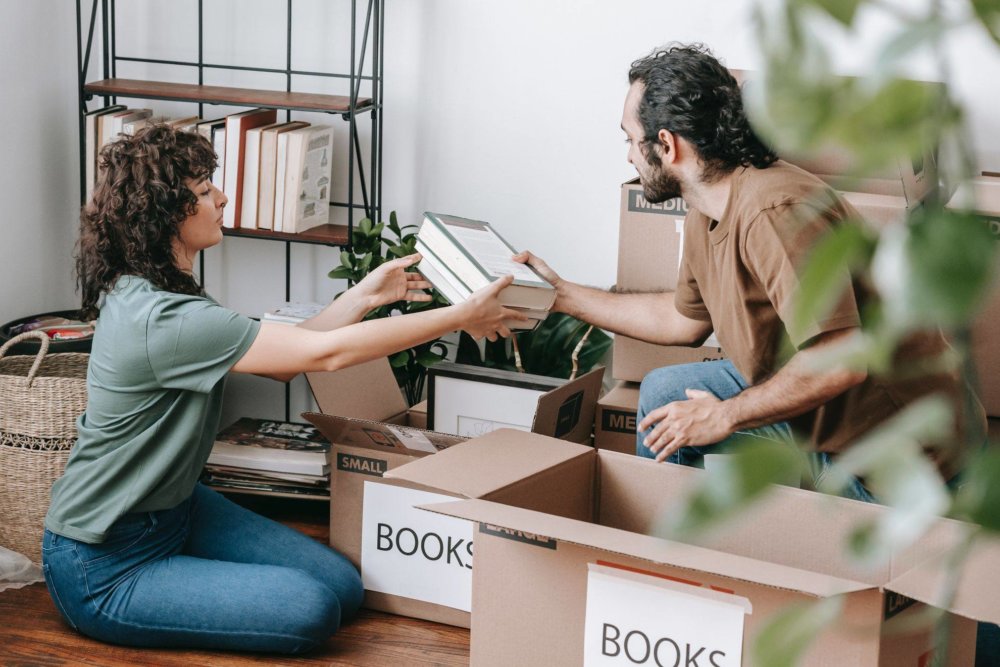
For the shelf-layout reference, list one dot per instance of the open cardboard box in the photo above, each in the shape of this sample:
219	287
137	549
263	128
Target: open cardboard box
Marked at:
615	419
533	580
372	434
650	241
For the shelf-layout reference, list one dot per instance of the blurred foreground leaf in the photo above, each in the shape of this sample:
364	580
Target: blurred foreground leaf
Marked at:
988	13
787	635
934	271
846	248
978	498
891	461
739	477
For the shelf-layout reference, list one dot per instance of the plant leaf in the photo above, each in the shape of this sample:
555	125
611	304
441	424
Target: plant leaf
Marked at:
341	273
911	38
827	274
935	271
400	359
365	226
749	467
842	10
787	635
428	358
988	13
978	498
891	461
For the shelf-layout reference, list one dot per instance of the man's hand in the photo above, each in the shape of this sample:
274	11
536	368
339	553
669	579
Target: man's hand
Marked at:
545	271
390	282
701	420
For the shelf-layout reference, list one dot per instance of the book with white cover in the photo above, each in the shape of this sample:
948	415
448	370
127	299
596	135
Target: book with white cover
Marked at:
454	291
269	170
251	175
477	255
237	126
307	178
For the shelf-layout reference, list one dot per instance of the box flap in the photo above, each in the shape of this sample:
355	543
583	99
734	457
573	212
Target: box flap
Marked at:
978	590
567	412
365	391
486	464
380	436
653	549
983	194
624	396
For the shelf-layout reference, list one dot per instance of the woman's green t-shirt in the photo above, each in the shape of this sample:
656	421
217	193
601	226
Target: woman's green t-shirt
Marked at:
155	380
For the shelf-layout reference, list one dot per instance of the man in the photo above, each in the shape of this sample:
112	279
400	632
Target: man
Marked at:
753	221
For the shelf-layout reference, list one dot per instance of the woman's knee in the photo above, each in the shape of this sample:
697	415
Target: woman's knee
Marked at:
318	608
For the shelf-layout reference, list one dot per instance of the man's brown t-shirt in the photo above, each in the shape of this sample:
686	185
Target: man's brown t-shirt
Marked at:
741	273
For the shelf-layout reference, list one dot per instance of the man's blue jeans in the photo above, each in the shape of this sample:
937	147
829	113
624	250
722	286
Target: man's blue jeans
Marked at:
205	574
668	384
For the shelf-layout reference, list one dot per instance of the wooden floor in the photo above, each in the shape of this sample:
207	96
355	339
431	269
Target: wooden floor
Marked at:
32	633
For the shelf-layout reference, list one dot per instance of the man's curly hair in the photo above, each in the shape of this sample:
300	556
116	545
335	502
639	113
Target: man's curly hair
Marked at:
689	92
139	203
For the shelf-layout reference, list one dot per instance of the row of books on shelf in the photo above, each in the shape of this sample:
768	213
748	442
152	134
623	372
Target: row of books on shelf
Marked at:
273	457
276	175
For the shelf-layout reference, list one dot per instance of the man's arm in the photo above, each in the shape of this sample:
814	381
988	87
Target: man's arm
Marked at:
651	317
793	390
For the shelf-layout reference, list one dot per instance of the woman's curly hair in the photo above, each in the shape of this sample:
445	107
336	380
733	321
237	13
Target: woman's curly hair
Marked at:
689	92
140	200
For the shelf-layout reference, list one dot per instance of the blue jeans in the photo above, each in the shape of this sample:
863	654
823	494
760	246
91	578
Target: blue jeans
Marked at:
665	385
206	574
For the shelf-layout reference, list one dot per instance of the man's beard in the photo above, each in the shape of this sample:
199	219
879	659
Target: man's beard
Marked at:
659	185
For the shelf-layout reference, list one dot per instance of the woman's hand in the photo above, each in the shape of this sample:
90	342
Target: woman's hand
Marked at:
390	282
482	314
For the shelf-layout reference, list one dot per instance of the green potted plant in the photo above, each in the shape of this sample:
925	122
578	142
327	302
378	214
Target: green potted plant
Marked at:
558	347
371	245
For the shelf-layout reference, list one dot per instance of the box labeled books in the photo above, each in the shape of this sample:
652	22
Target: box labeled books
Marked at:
268	456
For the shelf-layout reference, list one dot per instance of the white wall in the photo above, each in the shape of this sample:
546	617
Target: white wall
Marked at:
39	169
505	110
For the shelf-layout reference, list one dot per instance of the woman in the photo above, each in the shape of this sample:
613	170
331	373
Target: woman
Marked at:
135	551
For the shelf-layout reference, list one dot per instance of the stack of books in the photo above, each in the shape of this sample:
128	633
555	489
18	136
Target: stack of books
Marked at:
460	256
276	174
293	312
270	457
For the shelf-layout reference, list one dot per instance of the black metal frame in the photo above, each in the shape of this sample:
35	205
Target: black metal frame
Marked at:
371	188
374	34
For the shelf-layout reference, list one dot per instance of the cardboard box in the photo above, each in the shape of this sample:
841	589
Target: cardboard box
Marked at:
372	433
985	192
650	241
534	584
615	419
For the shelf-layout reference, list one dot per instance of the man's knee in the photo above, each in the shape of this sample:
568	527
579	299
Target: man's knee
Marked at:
661	386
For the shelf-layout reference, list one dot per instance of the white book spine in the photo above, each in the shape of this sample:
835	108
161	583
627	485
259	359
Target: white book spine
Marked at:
281	168
251	179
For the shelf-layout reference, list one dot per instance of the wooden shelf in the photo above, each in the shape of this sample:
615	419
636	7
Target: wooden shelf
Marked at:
329	234
243	97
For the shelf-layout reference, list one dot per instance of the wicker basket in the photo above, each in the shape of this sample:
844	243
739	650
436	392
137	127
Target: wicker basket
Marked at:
41	397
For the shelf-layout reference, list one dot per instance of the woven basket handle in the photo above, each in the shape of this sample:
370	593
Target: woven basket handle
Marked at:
42	351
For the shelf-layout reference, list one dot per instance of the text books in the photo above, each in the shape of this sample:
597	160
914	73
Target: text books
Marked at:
267	446
461	256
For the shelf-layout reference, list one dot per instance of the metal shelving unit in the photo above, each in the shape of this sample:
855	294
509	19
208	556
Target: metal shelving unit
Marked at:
366	49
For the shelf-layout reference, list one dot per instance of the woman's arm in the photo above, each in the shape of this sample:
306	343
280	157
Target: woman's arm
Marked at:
281	351
387	284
